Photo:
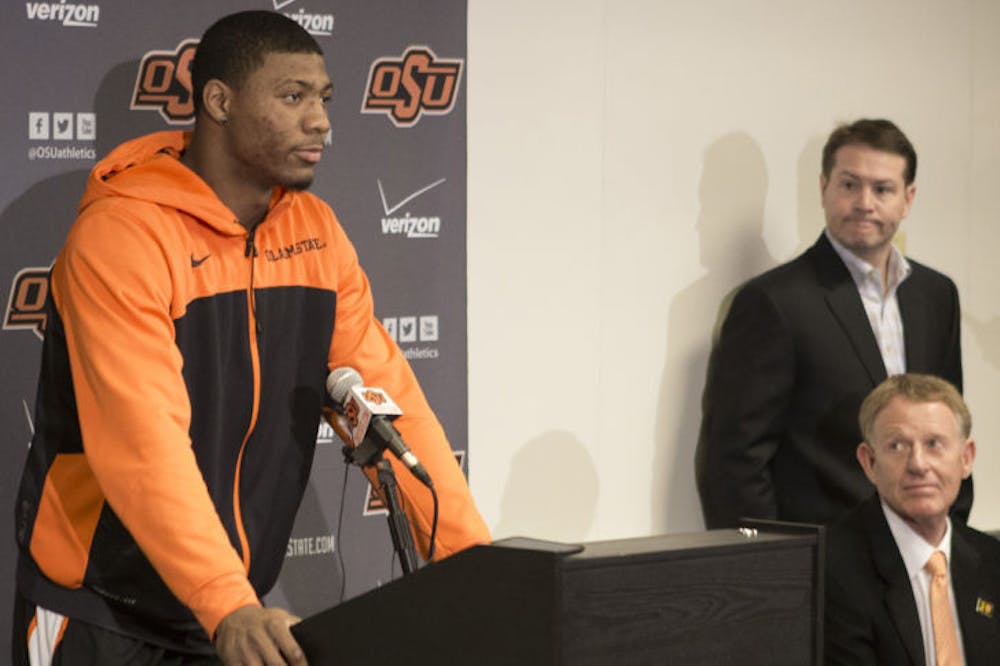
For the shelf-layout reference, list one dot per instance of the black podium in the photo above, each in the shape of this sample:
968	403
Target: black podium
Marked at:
720	597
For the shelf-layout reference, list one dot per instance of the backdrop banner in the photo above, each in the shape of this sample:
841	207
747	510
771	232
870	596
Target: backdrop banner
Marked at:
93	74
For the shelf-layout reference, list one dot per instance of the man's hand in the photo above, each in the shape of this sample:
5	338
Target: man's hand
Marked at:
255	636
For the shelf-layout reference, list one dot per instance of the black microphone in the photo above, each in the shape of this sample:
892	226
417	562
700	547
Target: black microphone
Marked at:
369	413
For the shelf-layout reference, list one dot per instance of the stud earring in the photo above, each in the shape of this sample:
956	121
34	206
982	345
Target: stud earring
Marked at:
224	120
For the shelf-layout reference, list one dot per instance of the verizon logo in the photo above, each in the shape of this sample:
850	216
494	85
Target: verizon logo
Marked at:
71	15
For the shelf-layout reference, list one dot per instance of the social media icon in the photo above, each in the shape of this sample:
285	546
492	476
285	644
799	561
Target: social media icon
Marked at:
390	326
62	126
407	329
38	125
86	126
429	328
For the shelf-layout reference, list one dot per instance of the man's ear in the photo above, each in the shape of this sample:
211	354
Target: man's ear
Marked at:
216	97
908	194
866	456
968	456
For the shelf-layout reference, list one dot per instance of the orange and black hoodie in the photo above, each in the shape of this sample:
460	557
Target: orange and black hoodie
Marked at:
179	398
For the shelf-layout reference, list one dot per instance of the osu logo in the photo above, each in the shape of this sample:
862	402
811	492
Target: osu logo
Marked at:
163	83
28	299
352	412
374	397
415	84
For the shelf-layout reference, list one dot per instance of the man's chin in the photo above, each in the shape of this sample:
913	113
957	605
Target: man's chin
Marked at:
298	185
864	242
927	507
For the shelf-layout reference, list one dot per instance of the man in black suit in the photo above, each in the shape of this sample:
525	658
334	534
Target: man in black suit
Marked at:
880	597
803	343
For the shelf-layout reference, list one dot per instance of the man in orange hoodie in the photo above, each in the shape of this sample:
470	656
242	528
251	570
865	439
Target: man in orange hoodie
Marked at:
200	300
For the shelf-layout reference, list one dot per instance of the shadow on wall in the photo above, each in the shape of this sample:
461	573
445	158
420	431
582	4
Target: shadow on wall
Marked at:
810	204
551	491
732	194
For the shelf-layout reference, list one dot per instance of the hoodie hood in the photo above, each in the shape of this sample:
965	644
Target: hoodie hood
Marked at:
148	168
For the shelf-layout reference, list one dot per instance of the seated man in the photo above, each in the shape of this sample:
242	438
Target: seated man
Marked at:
905	584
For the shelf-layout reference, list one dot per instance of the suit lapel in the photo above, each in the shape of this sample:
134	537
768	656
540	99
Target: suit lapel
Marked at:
898	591
976	628
913	311
844	302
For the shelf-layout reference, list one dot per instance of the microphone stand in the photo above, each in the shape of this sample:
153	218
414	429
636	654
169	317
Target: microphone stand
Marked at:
369	455
399	526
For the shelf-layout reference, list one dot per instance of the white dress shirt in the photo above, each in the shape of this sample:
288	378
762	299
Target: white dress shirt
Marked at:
880	301
916	551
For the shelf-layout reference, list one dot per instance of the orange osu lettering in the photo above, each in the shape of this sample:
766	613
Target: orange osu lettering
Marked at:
351	413
374	502
29	297
163	83
374	397
418	83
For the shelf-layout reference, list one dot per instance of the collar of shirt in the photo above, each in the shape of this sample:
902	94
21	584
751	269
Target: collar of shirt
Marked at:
863	273
913	547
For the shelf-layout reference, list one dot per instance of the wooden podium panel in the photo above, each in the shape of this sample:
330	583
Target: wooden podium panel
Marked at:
717	597
710	598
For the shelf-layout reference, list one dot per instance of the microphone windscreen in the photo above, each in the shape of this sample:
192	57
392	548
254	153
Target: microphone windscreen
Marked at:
339	383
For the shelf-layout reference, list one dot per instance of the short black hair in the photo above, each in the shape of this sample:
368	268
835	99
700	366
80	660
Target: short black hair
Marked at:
878	133
235	45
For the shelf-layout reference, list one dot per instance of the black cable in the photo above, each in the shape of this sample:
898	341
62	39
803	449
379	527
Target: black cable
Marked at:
434	524
340	544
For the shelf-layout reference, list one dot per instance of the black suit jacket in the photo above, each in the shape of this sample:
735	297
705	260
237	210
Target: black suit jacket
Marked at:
795	358
871	615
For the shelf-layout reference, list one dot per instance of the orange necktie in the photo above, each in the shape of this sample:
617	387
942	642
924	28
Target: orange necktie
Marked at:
945	637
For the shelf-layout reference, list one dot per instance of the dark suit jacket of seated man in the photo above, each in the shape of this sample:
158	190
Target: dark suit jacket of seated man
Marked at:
917	451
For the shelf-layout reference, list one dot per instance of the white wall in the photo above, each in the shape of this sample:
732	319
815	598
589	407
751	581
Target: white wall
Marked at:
630	162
